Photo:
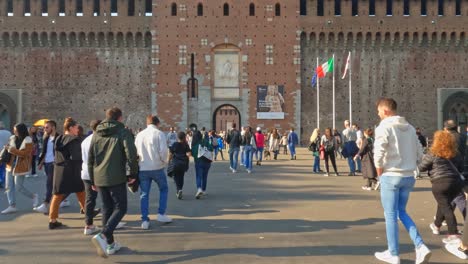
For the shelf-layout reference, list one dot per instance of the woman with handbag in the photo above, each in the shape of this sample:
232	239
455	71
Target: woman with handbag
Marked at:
366	154
19	150
179	154
67	170
314	147
327	143
444	166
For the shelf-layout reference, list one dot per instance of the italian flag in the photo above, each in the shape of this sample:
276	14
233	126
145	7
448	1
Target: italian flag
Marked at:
323	69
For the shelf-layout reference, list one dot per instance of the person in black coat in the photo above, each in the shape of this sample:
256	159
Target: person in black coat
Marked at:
179	154
366	154
67	170
444	166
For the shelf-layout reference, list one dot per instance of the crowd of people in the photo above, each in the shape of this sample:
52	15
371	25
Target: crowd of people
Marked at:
110	160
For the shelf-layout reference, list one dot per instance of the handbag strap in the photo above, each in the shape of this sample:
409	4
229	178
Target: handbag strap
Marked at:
455	168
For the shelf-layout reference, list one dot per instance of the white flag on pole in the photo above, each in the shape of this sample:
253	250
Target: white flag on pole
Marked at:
348	60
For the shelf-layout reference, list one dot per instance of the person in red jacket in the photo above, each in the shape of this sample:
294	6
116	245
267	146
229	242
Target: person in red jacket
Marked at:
260	140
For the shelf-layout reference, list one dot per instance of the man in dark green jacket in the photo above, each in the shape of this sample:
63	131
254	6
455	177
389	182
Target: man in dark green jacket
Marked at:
112	150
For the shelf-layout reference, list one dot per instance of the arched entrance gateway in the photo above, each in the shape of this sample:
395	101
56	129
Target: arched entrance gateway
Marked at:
8	111
456	108
224	116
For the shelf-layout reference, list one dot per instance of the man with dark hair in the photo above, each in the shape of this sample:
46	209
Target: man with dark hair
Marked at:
234	140
152	151
396	154
46	160
112	149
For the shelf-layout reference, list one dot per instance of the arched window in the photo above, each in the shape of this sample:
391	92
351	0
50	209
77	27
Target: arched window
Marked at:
371	7
406	9
319	7
173	9
440	9
113	8
277	9
27	7
131	8
423	8
44	7
252	9
226	9
458	7
96	8
337	7
200	9
354	8
303	7
148	7
79	7
389	7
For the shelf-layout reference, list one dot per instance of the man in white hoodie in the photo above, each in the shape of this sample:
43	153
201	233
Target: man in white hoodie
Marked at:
152	151
396	153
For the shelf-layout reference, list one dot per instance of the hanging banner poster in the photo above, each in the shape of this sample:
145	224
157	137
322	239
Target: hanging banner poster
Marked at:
270	102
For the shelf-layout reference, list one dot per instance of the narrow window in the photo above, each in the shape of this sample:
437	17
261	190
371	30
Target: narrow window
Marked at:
79	7
174	9
131	7
226	9
458	7
44	8
200	9
252	9
148	7
277	9
423	7
303	7
371	7
320	8
389	7
337	7
354	8
10	7
113	8
27	7
192	82
96	8
406	9
61	7
440	9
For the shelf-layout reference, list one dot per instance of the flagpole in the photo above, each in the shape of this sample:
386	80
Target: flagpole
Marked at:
318	97
333	69
350	94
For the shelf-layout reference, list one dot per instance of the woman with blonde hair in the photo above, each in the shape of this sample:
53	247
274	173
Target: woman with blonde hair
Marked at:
444	165
314	147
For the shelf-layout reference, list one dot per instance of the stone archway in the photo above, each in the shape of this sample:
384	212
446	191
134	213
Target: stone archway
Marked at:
455	107
8	111
224	116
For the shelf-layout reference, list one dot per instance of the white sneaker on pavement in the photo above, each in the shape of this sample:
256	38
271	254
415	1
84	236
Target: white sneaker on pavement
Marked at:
64	203
100	242
90	230
10	210
457	251
452	239
121	225
112	249
435	229
164	218
385	256
43	208
145	225
423	254
199	194
35	200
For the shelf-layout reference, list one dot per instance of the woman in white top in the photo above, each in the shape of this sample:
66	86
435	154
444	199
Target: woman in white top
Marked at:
274	143
328	144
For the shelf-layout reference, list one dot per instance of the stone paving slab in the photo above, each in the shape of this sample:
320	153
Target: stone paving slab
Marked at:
281	213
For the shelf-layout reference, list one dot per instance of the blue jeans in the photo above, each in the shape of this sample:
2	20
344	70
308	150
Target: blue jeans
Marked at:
233	157
259	154
13	184
248	156
316	164
2	173
201	173
352	165
292	149
358	163
242	155
146	177
49	171
394	194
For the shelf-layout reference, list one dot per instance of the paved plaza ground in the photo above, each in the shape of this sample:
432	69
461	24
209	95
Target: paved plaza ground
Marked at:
281	213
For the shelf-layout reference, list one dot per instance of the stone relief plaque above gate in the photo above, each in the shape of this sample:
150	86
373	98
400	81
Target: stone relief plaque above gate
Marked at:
226	70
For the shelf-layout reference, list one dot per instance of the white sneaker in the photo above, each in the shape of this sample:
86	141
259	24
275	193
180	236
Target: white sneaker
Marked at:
89	230
366	188
326	175
164	218
64	203
121	225
43	208
35	175
423	254
199	194
145	225
249	171
452	239
28	176
35	200
10	210
387	257
112	249
435	229
457	251
100	242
